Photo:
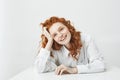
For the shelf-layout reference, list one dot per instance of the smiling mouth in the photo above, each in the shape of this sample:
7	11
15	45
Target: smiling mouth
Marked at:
63	38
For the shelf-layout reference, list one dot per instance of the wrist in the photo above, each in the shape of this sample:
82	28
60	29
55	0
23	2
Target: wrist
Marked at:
74	70
49	44
50	40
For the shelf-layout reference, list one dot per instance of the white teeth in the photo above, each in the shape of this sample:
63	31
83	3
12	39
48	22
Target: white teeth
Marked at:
63	38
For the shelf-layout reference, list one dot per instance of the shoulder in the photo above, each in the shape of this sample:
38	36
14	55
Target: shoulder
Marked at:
85	37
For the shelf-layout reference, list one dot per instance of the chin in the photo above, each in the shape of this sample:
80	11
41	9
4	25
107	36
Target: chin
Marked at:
64	43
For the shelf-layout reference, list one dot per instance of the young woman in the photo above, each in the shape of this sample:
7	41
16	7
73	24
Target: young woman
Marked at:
65	50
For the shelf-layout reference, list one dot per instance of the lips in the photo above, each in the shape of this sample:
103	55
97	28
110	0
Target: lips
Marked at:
63	38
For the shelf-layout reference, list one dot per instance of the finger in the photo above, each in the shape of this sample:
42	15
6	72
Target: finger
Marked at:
42	30
58	69
45	31
62	70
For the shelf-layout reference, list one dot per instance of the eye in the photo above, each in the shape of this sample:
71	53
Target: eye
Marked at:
54	35
61	29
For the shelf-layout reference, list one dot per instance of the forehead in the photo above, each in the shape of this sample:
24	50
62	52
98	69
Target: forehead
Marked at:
55	27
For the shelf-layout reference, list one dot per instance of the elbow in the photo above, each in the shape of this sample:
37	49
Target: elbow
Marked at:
39	68
98	66
101	67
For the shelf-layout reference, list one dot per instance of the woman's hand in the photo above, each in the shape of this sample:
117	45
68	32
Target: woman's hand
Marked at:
46	33
48	36
63	69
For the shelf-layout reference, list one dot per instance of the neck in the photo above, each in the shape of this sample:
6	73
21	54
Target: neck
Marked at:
67	45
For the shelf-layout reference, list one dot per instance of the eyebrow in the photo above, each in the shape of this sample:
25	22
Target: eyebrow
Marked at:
59	27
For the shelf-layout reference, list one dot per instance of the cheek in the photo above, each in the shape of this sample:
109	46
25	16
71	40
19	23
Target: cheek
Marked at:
56	39
65	31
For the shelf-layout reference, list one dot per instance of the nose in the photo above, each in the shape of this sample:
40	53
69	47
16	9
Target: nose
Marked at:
60	36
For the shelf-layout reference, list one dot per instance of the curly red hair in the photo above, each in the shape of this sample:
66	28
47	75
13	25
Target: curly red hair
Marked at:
75	42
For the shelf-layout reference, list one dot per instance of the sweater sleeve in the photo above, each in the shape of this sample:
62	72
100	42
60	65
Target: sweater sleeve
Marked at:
95	58
43	62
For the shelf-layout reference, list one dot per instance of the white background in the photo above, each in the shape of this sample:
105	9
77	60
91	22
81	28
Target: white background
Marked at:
20	30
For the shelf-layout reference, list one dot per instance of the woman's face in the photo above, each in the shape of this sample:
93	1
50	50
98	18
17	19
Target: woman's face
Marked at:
60	33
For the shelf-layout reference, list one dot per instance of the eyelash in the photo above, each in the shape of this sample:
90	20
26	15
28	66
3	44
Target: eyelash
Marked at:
55	35
60	30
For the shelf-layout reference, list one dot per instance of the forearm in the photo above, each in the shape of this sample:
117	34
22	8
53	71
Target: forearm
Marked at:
49	44
67	70
75	70
96	66
42	59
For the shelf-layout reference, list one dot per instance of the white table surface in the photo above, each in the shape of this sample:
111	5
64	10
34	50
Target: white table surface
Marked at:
112	73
